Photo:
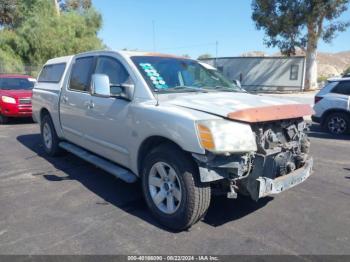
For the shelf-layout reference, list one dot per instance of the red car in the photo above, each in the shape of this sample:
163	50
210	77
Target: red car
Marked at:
15	96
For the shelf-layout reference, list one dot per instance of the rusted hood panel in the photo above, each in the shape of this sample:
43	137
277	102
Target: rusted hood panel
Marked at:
271	113
239	106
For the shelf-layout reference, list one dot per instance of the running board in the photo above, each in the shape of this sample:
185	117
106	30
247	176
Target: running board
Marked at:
100	162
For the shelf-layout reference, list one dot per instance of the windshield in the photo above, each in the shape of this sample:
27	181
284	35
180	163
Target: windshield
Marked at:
168	74
16	84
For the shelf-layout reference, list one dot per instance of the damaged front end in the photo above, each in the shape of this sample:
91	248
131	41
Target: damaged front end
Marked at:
280	162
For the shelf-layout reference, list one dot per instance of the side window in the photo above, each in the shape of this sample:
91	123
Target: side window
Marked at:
81	74
294	71
52	73
113	68
342	88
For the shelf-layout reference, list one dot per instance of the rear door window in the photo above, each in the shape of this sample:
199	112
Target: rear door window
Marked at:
81	74
342	88
52	73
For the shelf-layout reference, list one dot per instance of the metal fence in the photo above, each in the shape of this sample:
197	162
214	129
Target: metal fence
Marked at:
31	70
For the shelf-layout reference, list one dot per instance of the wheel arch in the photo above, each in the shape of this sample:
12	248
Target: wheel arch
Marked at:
148	145
43	112
332	111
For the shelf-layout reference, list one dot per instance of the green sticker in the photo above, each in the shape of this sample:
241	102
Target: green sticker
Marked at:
154	76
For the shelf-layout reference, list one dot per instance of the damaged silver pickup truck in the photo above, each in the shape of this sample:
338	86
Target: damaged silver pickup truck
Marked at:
175	123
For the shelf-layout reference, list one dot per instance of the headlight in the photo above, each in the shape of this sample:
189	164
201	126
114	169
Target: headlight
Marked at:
222	136
9	100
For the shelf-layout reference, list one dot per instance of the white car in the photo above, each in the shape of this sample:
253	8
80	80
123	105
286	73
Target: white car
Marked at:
332	106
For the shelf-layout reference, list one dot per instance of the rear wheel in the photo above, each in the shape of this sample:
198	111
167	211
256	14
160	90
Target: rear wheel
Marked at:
337	123
3	119
172	188
49	136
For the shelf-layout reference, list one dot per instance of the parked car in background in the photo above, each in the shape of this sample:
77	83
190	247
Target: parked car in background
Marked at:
178	125
15	96
332	106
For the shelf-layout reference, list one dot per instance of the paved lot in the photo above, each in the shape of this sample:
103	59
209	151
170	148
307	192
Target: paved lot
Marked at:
66	206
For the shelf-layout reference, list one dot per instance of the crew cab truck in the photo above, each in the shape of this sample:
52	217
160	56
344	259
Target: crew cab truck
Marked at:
175	123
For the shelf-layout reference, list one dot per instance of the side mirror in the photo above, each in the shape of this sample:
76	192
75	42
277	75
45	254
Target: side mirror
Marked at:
124	91
128	91
100	85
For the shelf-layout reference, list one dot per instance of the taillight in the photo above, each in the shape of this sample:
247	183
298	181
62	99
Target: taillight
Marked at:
318	99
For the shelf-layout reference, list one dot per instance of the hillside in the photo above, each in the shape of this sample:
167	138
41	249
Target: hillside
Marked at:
330	64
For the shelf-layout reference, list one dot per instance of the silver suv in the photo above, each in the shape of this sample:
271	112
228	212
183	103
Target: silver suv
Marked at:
332	106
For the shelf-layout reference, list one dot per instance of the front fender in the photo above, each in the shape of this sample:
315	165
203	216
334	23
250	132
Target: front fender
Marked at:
173	123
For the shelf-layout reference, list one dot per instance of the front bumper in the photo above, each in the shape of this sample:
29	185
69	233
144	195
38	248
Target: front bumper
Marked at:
269	186
16	110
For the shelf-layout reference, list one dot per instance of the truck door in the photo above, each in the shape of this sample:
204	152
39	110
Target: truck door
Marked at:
109	131
75	100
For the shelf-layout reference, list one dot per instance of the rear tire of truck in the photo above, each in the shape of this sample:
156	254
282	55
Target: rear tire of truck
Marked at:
337	123
172	189
3	119
49	137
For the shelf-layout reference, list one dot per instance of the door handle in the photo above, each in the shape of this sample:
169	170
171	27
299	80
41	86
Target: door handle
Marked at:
64	99
90	105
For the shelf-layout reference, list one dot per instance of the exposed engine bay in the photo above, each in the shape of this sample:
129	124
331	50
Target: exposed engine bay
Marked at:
283	144
283	148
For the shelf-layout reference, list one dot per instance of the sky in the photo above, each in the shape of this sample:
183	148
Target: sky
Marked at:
190	27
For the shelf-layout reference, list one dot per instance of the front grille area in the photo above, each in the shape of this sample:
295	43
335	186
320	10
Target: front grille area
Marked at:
25	101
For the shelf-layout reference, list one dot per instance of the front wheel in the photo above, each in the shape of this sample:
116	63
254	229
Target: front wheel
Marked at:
172	188
338	123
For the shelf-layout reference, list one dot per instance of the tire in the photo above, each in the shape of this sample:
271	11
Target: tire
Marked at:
3	119
49	137
186	208
337	123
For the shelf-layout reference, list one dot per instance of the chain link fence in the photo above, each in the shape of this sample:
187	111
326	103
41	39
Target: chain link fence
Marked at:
31	70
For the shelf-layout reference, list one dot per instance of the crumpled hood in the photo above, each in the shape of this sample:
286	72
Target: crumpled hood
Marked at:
241	106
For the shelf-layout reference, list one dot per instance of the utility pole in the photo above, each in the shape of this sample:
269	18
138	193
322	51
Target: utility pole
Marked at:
154	35
57	7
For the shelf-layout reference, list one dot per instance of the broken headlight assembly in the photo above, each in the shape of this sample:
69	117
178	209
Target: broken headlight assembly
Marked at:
224	136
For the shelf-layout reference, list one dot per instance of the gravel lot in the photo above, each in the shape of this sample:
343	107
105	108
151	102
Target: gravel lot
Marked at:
67	206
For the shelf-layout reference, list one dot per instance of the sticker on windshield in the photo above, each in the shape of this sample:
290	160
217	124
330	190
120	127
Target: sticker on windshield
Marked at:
154	76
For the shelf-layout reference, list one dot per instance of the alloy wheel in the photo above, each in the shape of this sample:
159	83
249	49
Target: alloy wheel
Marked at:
337	125
47	135
165	188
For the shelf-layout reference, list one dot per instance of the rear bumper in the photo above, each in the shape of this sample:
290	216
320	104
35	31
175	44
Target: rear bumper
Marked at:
269	186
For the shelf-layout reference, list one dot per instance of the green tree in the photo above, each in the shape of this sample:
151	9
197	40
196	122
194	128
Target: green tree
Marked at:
292	24
8	11
204	56
39	33
74	4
